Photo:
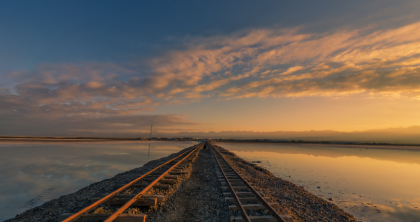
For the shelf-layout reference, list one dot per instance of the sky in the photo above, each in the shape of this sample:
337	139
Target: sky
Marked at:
74	68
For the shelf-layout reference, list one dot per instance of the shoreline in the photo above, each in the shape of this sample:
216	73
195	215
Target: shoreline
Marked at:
9	140
355	146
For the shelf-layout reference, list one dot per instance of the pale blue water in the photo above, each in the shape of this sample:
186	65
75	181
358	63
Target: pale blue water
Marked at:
33	173
372	184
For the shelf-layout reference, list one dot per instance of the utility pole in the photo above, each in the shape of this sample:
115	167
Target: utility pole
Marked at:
151	126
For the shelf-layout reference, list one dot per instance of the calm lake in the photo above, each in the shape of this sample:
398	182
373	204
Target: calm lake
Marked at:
372	184
33	173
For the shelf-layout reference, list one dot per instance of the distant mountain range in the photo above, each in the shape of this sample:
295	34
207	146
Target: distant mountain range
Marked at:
391	135
409	135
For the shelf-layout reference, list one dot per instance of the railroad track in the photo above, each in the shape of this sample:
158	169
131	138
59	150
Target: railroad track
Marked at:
246	203
134	194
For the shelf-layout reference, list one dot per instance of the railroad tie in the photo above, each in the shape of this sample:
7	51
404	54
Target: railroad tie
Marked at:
101	217
247	199
253	207
146	201
173	177
167	181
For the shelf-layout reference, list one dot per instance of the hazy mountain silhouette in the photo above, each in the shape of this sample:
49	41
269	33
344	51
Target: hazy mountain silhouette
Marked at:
391	135
409	135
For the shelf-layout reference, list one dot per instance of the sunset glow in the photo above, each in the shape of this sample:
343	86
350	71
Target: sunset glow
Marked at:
348	67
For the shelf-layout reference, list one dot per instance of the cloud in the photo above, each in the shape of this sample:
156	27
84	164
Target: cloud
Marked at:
287	63
250	63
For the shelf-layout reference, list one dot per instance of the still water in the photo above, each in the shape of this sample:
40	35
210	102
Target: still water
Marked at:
372	184
33	173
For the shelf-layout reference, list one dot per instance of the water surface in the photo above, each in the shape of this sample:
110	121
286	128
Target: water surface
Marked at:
372	184
35	172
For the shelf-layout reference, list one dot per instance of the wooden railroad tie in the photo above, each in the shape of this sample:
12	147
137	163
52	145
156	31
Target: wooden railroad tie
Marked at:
240	194
102	217
233	183
159	186
139	203
229	177
254	207
167	181
173	177
267	218
248	199
178	172
235	188
146	201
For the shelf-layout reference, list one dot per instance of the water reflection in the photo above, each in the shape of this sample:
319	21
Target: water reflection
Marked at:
33	173
373	184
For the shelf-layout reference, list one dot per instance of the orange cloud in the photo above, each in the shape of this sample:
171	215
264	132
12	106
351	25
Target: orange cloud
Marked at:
252	63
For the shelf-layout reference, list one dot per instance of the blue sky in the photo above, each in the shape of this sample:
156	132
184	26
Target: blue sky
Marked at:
70	62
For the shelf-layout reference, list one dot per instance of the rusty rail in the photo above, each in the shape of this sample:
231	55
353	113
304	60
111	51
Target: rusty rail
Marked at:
259	197
77	215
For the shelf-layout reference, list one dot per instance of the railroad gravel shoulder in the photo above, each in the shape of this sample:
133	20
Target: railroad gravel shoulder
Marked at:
293	199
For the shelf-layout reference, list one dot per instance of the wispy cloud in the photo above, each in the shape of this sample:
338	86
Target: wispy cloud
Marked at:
286	63
251	63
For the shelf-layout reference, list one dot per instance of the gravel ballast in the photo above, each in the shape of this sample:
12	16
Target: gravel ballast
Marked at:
198	197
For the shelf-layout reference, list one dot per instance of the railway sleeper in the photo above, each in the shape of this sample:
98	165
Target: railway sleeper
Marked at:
229	177
253	207
231	180
173	177
240	194
230	174
179	168
144	202
233	183
178	172
102	217
267	218
247	199
235	188
159	198
167	181
159	186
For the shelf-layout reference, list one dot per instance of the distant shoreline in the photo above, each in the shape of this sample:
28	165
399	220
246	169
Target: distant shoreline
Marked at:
356	146
338	144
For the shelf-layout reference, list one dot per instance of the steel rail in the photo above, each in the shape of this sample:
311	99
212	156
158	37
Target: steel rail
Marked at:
77	215
139	195
259	197
243	212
